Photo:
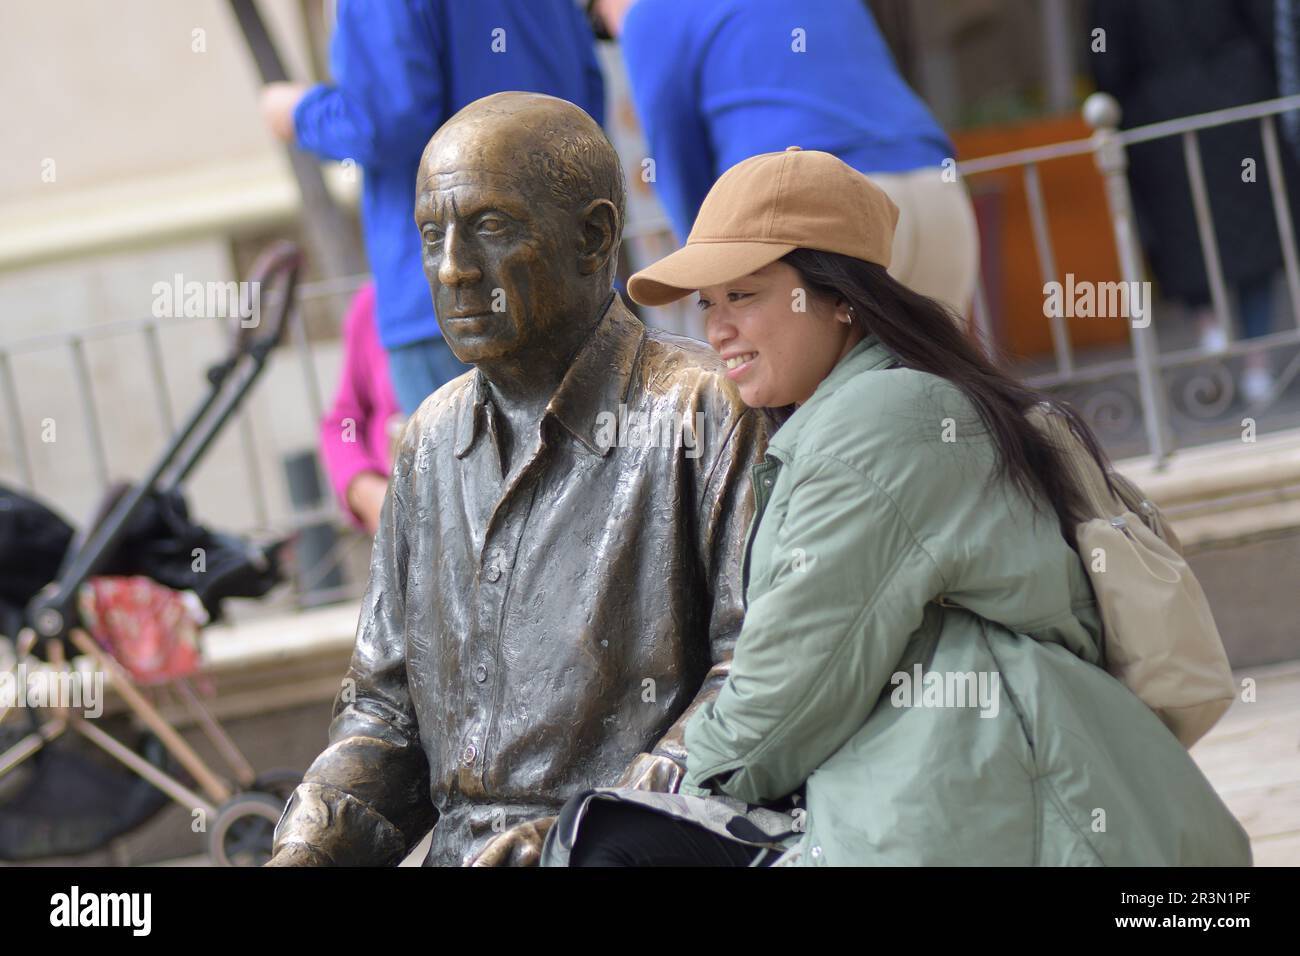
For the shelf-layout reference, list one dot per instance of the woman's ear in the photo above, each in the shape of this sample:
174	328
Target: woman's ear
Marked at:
843	311
598	232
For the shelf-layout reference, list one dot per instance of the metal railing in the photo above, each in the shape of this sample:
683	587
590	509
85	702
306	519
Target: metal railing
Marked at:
1109	145
144	337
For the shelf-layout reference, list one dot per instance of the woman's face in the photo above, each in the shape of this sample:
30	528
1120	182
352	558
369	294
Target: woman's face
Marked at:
778	339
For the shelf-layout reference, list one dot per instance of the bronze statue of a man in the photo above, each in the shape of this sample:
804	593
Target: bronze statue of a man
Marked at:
556	576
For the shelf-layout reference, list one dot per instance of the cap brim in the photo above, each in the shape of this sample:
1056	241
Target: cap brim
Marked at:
700	264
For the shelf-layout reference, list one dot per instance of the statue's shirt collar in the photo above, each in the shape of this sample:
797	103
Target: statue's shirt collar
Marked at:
596	382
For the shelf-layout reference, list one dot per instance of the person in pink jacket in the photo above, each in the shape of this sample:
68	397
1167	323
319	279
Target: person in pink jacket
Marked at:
356	433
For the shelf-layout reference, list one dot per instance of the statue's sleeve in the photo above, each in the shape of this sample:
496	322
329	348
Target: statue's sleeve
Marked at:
725	508
365	799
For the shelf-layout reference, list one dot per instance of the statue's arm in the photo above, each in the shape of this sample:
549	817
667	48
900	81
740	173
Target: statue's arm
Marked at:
725	509
365	799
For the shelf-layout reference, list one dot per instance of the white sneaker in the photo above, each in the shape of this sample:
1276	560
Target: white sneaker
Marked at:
1213	337
1256	384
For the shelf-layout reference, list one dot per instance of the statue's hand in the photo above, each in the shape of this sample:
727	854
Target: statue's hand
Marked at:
297	854
521	845
652	772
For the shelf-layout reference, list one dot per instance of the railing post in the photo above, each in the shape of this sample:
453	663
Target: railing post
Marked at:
1282	213
1205	230
1047	264
1102	113
17	438
86	391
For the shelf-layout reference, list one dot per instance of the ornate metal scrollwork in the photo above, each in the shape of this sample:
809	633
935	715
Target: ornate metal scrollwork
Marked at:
1112	412
1206	391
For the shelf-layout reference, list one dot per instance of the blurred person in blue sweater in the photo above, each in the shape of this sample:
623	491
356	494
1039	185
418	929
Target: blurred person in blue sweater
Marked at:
717	81
401	68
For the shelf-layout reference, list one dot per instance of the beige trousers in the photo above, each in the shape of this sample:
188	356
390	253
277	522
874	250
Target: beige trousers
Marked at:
936	242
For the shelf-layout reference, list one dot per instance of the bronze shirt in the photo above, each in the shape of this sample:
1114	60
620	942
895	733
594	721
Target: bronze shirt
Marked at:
522	640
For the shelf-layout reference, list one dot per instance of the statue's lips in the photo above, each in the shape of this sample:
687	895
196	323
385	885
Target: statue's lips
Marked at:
465	318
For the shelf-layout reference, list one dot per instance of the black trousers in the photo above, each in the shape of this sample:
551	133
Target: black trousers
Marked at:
621	834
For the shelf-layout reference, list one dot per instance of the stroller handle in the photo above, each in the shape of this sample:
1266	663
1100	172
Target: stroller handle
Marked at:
52	612
276	266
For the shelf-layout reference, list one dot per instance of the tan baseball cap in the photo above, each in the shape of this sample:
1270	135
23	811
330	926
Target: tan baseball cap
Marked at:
769	205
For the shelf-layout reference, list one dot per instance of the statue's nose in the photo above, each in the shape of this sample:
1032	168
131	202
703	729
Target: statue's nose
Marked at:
457	267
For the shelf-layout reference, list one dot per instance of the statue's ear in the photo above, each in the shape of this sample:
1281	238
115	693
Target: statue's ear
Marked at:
598	232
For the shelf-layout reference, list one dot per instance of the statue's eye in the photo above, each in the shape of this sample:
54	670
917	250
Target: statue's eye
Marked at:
491	225
432	235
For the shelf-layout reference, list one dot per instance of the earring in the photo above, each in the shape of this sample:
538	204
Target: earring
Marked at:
852	316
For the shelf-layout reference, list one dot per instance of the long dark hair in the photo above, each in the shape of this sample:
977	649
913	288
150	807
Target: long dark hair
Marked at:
925	335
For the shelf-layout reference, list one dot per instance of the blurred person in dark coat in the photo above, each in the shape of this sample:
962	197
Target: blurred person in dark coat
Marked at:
1165	59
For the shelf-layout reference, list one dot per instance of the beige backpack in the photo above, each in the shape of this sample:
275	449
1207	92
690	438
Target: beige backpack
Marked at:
1160	638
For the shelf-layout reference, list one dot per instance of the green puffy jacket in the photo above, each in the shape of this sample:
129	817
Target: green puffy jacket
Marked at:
931	734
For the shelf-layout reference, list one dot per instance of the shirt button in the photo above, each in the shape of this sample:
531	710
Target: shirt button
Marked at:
816	852
469	754
480	673
492	572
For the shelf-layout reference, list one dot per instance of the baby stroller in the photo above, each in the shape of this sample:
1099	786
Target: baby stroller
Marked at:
68	804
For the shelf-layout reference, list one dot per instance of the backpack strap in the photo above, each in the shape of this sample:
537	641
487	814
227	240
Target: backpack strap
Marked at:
1109	494
1103	500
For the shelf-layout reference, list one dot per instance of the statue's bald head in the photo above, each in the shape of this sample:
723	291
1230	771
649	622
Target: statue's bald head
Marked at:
519	199
543	141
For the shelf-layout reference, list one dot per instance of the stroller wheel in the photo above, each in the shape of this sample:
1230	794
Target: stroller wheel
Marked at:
244	829
278	783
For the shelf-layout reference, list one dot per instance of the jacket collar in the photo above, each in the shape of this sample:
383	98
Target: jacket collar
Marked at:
868	355
596	381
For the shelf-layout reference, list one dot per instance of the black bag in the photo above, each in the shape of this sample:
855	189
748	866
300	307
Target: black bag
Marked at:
160	541
69	799
33	542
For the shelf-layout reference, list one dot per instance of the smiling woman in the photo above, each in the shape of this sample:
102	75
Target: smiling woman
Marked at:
911	523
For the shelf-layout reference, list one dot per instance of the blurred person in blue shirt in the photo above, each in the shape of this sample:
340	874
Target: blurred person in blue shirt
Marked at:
401	68
717	81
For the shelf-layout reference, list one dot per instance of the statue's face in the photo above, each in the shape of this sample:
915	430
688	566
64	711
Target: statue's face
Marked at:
499	253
